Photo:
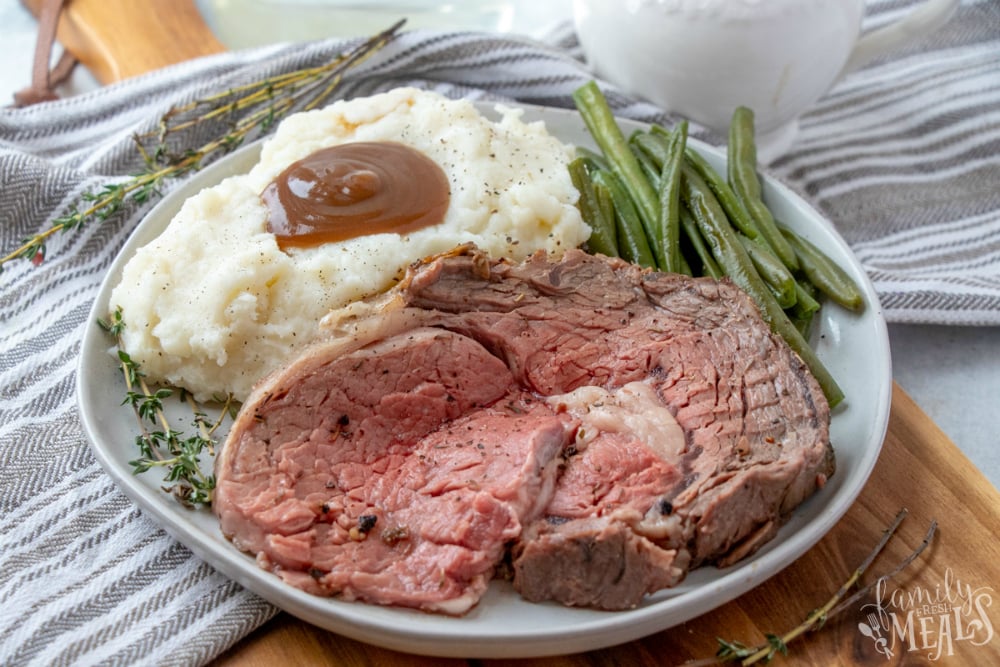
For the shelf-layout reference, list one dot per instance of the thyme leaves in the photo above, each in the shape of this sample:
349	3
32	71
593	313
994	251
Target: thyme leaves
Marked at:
734	651
160	445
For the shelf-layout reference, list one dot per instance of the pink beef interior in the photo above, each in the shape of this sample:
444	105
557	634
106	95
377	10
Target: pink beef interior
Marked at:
441	429
380	475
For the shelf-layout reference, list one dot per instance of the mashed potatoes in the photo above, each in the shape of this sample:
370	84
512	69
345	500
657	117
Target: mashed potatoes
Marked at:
212	305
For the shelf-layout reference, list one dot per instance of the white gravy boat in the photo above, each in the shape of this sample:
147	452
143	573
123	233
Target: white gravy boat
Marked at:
703	58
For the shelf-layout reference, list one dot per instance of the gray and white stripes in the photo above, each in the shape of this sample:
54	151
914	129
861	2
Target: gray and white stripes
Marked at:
903	156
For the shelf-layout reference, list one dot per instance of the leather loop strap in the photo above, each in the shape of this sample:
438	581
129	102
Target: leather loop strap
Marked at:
44	80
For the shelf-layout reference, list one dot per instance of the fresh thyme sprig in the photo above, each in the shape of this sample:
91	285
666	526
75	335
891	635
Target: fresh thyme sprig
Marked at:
160	446
748	655
242	112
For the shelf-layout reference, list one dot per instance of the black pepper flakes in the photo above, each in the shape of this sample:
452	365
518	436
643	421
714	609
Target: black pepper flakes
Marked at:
366	522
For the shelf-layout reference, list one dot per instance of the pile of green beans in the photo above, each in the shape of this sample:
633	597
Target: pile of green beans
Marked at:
655	201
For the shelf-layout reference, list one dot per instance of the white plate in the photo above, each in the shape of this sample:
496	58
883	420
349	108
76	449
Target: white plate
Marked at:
853	346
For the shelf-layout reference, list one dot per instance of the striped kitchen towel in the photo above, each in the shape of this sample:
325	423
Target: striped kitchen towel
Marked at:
903	156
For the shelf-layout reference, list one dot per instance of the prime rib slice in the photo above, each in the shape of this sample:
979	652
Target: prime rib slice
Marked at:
607	427
394	472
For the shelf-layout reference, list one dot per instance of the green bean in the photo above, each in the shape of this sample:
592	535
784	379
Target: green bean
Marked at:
590	164
736	263
602	235
632	240
805	300
708	265
824	273
600	121
649	168
742	170
670	198
771	270
738	214
666	153
806	306
654	146
593	156
607	205
803	324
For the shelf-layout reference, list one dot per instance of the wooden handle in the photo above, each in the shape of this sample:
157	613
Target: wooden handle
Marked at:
118	39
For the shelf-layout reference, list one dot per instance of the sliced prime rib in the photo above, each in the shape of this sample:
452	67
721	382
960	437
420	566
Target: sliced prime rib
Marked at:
607	427
394	472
